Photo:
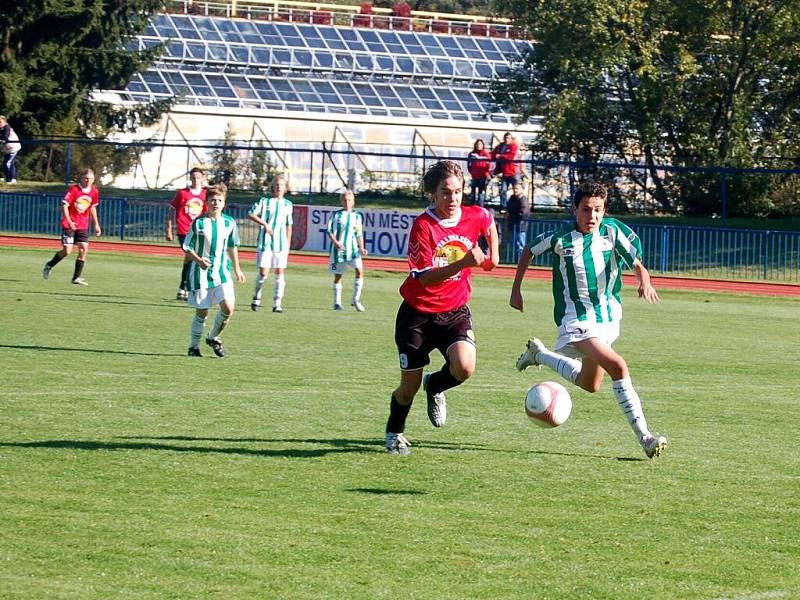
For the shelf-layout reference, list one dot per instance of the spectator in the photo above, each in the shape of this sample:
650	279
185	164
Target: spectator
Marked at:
519	209
479	166
9	142
504	155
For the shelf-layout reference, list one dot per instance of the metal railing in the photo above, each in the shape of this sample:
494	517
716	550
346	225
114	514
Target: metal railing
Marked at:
708	252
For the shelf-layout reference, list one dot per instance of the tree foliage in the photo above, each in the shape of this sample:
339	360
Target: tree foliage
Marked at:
54	53
681	82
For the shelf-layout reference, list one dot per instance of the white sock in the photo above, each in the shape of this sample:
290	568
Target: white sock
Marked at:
280	285
220	323
259	284
358	285
631	406
337	293
567	367
198	323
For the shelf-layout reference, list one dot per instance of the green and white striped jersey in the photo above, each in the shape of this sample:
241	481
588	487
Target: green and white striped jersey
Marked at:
347	227
586	269
211	239
278	213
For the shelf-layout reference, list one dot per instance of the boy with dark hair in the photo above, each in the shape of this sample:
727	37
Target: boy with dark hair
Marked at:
586	282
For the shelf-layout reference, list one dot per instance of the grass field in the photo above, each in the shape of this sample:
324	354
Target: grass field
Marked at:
128	470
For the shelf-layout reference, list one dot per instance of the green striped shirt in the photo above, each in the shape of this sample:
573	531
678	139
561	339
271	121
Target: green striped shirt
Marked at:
278	213
348	228
211	239
586	269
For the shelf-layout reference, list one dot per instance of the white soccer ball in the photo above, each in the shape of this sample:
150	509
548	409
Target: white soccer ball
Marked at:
548	404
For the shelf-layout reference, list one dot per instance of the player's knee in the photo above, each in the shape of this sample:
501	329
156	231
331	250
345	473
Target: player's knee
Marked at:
462	371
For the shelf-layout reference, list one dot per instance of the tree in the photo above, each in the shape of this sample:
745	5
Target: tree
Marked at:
54	53
682	83
227	162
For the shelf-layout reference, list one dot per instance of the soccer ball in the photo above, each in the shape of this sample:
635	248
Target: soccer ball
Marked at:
548	404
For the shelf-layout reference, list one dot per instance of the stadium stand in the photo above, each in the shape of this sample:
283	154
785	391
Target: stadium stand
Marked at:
396	83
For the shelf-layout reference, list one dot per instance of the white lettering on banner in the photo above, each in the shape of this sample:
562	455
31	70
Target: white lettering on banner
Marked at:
385	231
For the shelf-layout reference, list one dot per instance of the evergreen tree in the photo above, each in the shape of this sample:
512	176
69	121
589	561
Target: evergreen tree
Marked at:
54	53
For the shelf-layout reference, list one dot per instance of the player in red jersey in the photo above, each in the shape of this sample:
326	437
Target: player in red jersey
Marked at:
188	204
442	249
78	206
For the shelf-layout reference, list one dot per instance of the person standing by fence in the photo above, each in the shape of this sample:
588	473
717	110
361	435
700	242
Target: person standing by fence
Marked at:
78	207
9	142
518	210
504	155
188	204
479	165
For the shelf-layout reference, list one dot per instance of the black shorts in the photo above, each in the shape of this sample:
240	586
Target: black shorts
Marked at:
74	236
417	334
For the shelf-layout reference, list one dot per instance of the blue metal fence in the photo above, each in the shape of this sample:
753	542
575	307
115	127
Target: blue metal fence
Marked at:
669	249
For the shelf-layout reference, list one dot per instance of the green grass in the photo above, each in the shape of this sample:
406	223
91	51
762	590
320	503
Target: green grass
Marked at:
129	470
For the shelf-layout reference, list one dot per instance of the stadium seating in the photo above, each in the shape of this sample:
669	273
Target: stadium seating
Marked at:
316	68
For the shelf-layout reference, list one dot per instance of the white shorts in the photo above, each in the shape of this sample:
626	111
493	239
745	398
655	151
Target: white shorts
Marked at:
267	259
212	296
576	331
340	268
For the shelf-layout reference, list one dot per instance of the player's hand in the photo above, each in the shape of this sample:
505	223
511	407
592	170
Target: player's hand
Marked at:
490	262
204	262
364	252
97	231
268	229
474	257
169	236
239	274
648	294
516	300
71	224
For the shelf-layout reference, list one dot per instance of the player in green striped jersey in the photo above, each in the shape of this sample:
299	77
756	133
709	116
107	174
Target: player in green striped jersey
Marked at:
346	234
587	258
211	247
274	215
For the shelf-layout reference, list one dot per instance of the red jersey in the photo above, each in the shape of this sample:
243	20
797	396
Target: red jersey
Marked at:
188	206
479	163
436	242
79	203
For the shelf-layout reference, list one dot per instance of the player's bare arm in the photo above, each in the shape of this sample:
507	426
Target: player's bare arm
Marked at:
516	301
646	290
97	230
493	259
168	224
261	222
237	271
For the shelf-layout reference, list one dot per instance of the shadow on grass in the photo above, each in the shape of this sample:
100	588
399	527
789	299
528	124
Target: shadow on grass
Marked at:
325	447
385	492
110	299
97	350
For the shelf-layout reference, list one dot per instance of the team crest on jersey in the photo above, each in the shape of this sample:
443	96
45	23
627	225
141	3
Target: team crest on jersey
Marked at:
194	207
82	203
451	249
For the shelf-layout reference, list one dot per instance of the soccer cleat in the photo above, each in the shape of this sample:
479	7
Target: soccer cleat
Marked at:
654	445
528	358
194	352
255	305
396	443
337	307
181	295
79	281
277	309
46	270
437	404
216	346
358	306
